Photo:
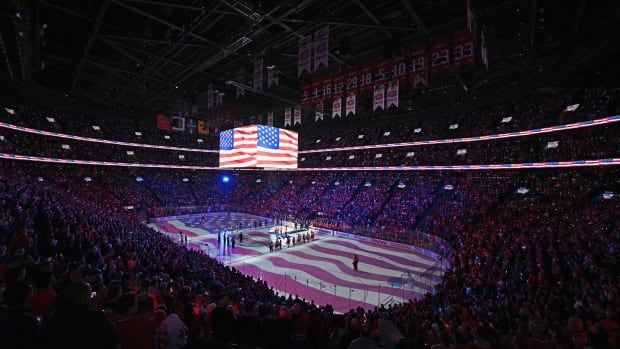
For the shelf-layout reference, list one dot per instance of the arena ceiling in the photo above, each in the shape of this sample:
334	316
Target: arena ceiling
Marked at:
157	54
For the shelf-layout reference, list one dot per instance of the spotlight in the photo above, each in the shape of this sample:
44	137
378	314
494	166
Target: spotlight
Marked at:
225	179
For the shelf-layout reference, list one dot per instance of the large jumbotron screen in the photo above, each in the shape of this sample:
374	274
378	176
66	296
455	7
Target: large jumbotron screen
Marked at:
258	146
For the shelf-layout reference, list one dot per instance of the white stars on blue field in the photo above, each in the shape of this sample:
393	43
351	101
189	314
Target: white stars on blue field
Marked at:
226	140
268	137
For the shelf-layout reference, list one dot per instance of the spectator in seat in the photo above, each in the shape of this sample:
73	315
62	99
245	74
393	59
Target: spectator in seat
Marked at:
539	339
223	322
75	324
363	341
18	327
248	326
136	321
171	333
44	298
444	341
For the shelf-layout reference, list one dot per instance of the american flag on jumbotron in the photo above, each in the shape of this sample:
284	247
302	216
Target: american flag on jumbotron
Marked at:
258	146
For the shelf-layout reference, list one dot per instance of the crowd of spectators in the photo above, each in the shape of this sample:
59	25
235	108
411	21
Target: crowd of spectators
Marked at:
16	142
529	112
590	143
110	127
538	269
534	111
388	205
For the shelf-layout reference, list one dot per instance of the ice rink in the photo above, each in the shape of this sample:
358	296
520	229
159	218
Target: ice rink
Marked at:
320	270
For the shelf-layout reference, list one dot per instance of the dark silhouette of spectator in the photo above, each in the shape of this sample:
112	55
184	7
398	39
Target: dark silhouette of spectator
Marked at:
76	324
19	328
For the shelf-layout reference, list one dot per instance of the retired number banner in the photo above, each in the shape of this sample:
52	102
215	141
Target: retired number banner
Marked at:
399	69
327	88
418	67
306	93
351	81
316	90
440	55
338	85
462	50
366	78
382	72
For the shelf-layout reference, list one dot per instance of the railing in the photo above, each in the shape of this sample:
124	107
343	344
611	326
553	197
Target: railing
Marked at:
343	296
156	213
530	132
420	239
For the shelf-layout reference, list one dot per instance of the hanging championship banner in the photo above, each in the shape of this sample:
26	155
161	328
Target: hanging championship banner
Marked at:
297	116
378	99
258	74
440	55
392	94
240	92
287	117
337	106
318	112
272	78
321	48
210	96
350	108
270	118
304	55
463	50
219	99
418	67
